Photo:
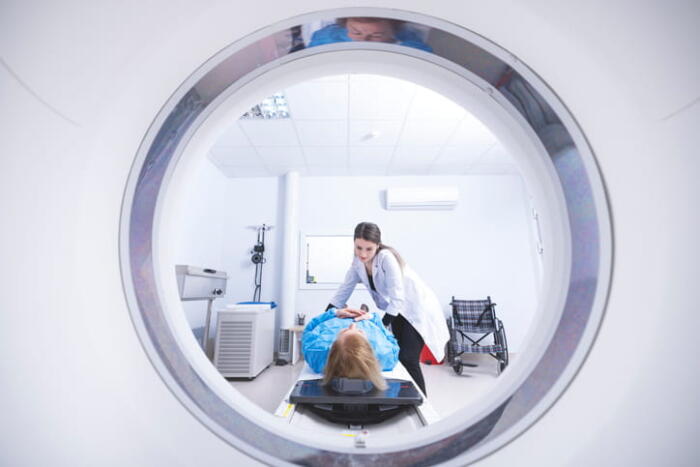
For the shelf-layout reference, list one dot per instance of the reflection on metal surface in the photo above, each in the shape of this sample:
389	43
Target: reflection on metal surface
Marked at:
429	40
271	108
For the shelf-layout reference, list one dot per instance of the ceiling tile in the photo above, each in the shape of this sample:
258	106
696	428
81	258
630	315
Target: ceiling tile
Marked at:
471	131
270	132
430	104
318	100
325	156
287	156
459	155
241	156
374	132
426	132
492	169
414	155
327	172
409	169
282	169
235	172
370	156
448	169
497	154
495	161
322	132
233	137
415	132
368	171
379	97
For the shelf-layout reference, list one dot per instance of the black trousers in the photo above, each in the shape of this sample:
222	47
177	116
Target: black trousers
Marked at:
410	346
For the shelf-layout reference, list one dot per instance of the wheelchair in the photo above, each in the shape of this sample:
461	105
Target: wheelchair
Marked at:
475	317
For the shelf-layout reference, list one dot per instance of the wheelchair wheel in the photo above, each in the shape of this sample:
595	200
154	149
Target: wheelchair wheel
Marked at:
503	355
449	353
502	364
457	366
449	347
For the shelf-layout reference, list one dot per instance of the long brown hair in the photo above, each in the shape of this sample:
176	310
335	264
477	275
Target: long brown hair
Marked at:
351	356
371	233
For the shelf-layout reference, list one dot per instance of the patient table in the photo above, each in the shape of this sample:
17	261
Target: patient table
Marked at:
410	419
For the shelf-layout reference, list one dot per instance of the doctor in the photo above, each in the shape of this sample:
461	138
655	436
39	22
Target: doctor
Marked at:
410	306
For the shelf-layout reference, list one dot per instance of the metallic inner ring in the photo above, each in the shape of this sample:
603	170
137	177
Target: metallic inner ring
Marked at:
237	63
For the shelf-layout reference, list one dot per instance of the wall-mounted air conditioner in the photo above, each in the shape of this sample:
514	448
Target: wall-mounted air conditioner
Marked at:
436	197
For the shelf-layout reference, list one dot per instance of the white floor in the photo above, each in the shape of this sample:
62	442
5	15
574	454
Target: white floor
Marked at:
447	391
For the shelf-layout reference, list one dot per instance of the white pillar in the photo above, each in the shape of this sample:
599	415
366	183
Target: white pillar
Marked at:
290	250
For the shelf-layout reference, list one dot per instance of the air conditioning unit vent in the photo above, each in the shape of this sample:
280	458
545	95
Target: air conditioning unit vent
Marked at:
422	198
244	342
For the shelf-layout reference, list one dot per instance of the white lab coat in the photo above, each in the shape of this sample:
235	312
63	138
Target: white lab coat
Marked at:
401	292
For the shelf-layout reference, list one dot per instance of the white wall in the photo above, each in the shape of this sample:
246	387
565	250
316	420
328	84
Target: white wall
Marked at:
212	224
483	247
197	230
251	202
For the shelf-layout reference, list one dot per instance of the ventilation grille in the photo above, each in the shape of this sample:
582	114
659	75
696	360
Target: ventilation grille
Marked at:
285	340
235	346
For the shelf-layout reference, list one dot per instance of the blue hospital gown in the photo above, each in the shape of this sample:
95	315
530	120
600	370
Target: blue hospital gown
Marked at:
335	33
321	332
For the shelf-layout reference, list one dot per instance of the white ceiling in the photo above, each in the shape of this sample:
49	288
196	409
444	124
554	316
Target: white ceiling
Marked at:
362	125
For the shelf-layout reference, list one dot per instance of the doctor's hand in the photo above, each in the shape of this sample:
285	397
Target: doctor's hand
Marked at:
364	315
349	313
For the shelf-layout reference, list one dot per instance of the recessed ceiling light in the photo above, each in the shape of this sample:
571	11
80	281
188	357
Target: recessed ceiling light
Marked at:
274	107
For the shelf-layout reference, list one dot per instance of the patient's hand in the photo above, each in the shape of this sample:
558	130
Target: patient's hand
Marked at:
364	315
350	313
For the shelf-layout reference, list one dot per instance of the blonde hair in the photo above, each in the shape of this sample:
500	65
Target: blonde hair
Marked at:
351	356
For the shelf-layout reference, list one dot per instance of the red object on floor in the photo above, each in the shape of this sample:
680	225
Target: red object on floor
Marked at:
426	356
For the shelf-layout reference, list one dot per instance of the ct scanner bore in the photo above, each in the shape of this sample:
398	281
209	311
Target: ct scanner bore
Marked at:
108	407
579	266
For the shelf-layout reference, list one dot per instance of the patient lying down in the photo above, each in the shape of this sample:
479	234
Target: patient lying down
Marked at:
345	343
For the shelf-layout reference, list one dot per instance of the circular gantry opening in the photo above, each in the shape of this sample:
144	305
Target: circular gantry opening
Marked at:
378	101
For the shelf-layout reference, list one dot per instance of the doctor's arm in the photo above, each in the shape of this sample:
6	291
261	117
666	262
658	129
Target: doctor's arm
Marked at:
345	290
